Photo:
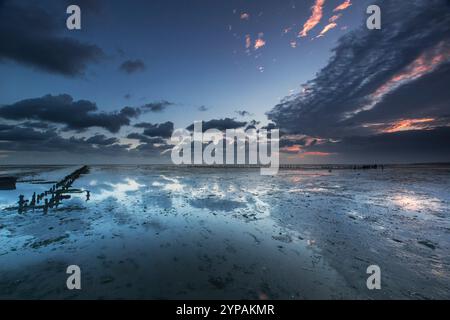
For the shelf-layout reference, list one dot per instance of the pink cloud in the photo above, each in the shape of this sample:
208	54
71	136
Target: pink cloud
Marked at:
424	64
343	6
314	19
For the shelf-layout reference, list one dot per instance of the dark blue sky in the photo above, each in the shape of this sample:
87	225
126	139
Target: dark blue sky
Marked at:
192	56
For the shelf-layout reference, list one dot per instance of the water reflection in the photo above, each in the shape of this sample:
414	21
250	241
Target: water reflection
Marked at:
415	202
173	184
120	191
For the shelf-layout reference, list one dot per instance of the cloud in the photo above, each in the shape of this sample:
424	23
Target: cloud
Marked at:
426	63
331	25
219	124
365	61
102	140
16	133
132	66
403	146
343	6
243	113
145	139
378	80
29	35
314	19
327	28
248	41
130	112
35	125
252	124
18	143
64	110
260	42
158	106
244	16
17	138
163	130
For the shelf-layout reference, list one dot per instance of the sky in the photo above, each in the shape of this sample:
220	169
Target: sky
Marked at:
114	91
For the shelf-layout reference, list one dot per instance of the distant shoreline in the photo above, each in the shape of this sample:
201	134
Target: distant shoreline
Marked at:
282	166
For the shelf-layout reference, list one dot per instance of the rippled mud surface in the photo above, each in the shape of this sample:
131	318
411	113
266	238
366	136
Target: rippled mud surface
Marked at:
178	233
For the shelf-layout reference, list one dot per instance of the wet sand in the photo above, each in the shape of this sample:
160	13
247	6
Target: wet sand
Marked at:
183	233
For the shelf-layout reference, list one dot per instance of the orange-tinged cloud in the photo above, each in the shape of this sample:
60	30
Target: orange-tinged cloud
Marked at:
259	43
314	19
327	28
335	17
297	149
343	6
292	149
409	124
426	63
332	24
305	154
316	154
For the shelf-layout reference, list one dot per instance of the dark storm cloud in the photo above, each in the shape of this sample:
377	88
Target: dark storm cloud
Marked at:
62	109
19	139
297	141
163	130
29	35
130	112
220	124
407	146
4	127
132	66
152	149
426	97
35	125
373	74
145	139
18	134
252	125
158	106
101	139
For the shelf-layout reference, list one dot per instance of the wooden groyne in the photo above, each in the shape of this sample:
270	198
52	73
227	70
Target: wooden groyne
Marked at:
54	196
